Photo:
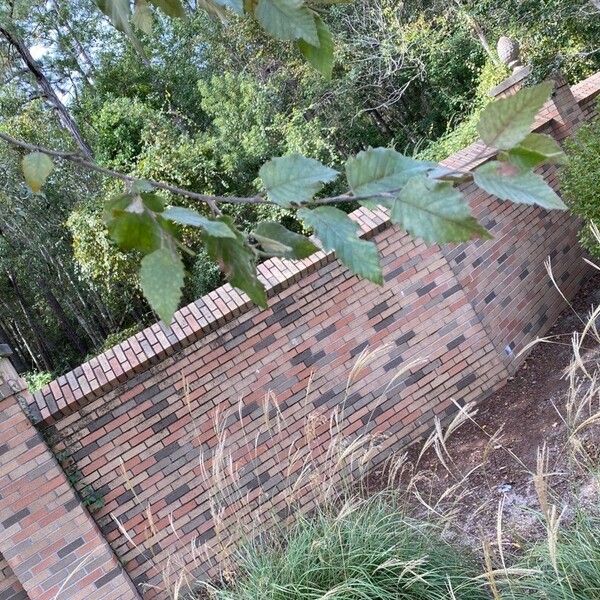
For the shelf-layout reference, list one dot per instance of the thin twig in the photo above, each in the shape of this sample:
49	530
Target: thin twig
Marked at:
213	201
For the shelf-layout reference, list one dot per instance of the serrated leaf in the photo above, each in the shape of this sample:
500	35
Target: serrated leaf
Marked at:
119	13
506	122
338	232
237	261
172	8
130	224
536	149
276	240
287	20
321	56
436	212
213	8
134	232
36	166
186	216
141	185
161	278
507	182
382	170
294	178
142	16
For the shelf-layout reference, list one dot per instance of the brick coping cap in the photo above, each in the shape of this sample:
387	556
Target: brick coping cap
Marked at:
108	370
518	75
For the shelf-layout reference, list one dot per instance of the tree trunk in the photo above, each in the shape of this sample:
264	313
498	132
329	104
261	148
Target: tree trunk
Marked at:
35	360
64	115
478	30
76	45
32	323
66	324
380	121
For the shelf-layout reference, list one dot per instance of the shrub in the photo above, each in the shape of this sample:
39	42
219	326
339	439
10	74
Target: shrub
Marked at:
580	180
36	380
113	339
459	136
205	274
365	549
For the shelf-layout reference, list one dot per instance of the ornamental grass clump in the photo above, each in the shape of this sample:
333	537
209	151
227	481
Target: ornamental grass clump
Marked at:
362	549
566	568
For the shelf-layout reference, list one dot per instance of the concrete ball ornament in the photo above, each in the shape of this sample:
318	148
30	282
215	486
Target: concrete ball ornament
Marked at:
508	51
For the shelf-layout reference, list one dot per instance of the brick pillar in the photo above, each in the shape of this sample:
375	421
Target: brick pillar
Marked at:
47	537
511	84
568	114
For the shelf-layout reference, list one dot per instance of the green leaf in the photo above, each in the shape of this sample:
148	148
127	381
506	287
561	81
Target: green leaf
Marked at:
36	166
172	8
161	279
130	224
276	240
507	182
186	216
152	201
287	20
340	233
506	122
118	11
436	212
237	261
142	16
321	56
237	6
294	178
536	149
382	170
135	232
141	185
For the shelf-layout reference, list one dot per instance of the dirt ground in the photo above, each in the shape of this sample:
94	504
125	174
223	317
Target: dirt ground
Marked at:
529	410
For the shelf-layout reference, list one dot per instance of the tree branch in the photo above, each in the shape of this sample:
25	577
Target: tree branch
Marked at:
213	201
64	115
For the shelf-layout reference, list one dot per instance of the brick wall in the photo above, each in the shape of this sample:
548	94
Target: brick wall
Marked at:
139	420
10	586
141	444
47	539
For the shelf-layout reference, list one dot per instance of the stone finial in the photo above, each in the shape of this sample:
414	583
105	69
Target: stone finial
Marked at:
508	51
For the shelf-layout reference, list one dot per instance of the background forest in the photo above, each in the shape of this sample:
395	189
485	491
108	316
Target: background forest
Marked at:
202	104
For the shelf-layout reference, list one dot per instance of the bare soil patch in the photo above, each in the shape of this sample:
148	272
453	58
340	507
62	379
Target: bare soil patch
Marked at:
529	411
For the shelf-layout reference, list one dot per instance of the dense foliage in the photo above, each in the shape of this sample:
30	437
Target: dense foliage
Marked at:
580	181
203	105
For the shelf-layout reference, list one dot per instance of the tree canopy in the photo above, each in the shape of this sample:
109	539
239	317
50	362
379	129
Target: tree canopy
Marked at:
300	110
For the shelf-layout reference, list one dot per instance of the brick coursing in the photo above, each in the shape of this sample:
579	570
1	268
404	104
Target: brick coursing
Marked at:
49	543
139	420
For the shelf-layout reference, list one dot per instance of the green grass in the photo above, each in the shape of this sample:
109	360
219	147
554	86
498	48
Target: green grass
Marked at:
365	550
572	573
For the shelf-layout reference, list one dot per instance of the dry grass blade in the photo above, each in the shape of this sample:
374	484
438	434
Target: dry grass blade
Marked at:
78	567
490	573
365	358
552	528
540	482
548	266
